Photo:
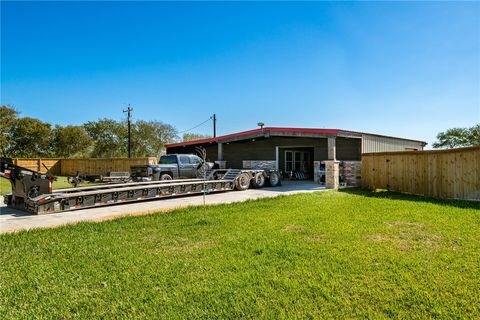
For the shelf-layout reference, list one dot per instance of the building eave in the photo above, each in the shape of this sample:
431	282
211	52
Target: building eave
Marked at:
283	131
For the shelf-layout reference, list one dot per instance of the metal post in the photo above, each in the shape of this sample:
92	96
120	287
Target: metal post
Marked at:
214	125
332	148
129	121
220	151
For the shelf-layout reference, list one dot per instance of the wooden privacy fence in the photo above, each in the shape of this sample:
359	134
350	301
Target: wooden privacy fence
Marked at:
449	174
92	166
102	166
51	165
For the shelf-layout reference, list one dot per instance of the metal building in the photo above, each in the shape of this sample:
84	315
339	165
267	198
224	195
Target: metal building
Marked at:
295	152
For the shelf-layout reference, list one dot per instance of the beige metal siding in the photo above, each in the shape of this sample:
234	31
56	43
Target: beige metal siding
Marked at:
372	143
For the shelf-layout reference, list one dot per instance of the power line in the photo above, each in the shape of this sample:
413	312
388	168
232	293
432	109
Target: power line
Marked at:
198	125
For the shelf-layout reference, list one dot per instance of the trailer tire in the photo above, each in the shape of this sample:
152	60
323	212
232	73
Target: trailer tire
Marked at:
274	179
242	182
259	180
165	176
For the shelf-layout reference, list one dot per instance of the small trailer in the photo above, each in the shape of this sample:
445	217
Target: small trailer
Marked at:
116	177
32	191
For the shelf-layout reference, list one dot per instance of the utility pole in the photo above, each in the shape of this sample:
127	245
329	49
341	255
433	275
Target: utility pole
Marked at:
129	121
214	125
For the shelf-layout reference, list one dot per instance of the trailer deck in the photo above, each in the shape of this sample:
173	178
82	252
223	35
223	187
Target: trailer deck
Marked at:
79	199
32	191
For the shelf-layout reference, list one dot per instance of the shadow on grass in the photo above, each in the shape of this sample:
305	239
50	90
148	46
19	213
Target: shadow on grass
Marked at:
402	196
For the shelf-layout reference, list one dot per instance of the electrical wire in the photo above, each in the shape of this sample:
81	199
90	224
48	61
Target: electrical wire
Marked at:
198	125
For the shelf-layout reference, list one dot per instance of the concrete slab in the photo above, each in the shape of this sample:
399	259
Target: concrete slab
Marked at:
14	220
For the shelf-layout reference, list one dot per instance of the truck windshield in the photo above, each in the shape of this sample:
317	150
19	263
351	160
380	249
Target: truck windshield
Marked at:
168	160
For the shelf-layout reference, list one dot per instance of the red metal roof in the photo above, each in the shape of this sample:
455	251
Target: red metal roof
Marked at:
253	132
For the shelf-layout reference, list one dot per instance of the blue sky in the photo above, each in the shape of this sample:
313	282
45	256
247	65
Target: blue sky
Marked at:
404	69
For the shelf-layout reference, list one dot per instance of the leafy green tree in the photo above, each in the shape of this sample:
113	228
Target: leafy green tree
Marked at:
150	137
458	137
70	141
109	137
474	135
8	116
195	136
30	138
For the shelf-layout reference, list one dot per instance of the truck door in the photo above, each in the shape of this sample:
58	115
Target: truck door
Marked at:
185	168
196	164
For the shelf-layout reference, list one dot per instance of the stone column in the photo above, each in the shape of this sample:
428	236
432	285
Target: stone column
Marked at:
332	171
316	171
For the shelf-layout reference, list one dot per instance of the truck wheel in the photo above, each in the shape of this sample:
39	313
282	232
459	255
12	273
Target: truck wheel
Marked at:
274	179
165	176
259	180
242	182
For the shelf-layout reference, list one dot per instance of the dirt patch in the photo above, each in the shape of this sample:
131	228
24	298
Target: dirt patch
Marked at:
378	237
316	238
407	236
404	224
292	228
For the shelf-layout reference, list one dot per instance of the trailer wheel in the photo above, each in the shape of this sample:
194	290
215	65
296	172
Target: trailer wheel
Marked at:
258	180
242	182
274	179
165	176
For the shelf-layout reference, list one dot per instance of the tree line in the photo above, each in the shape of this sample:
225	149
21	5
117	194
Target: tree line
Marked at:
458	137
26	137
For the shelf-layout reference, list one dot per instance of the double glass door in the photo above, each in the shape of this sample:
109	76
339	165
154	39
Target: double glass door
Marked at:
297	161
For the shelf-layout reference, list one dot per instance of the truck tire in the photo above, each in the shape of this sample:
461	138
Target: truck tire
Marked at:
274	179
165	176
259	180
242	182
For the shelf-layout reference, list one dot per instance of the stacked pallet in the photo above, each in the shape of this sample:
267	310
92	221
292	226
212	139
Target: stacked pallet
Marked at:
351	172
259	164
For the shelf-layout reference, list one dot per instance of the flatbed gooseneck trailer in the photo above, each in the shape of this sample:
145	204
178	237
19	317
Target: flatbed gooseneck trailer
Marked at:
32	191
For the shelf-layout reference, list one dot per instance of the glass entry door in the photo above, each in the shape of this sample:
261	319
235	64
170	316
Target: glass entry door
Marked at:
298	161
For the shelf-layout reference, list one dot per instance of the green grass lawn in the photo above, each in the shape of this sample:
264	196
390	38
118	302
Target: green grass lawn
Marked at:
344	255
61	183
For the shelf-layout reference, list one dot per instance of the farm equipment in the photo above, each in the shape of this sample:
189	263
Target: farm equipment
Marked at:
32	191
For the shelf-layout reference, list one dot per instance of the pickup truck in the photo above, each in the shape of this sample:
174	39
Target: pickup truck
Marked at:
171	166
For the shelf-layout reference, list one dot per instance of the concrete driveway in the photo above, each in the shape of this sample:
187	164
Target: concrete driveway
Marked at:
13	220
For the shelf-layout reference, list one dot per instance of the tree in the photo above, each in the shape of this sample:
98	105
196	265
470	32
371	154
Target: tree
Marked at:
149	137
195	136
474	135
109	137
458	137
30	138
8	116
70	141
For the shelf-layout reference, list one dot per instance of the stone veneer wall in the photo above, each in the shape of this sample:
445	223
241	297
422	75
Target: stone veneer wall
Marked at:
351	172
